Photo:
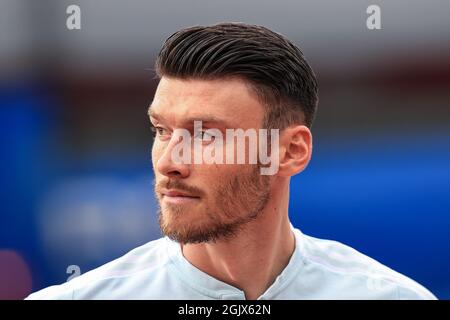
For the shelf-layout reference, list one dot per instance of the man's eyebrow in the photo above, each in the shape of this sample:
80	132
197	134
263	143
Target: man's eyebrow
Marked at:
152	113
205	119
208	118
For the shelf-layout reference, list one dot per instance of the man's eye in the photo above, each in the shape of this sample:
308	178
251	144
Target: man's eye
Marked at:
203	135
158	131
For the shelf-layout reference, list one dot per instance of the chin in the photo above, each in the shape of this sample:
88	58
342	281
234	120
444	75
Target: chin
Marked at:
175	219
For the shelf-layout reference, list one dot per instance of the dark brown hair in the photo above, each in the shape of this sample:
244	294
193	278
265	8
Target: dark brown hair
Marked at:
274	67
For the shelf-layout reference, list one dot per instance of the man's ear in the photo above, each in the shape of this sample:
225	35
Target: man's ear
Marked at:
295	150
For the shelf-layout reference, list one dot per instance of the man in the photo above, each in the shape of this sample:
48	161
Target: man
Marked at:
226	225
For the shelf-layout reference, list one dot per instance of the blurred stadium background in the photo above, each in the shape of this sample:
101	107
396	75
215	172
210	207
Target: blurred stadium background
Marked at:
76	176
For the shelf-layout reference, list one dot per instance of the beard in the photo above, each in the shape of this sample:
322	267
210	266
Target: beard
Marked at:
234	202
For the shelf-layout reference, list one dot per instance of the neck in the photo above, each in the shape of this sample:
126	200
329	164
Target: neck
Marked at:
255	257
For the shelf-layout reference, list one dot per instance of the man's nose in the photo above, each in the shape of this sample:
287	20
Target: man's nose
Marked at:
170	166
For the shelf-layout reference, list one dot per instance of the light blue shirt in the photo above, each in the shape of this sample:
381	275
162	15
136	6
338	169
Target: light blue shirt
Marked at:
318	269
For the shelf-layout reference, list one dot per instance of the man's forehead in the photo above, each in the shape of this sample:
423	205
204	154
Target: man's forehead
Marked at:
188	112
225	100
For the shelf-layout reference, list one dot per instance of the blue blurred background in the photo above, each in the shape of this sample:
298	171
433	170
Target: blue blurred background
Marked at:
76	176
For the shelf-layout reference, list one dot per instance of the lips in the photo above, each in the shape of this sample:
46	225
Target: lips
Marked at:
175	193
175	197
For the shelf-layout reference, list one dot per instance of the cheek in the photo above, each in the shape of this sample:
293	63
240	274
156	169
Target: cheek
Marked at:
156	153
218	176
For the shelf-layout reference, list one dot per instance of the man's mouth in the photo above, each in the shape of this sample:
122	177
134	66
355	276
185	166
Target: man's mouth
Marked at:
175	196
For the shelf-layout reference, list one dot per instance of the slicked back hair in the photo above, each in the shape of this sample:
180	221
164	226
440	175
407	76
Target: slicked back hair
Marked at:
273	66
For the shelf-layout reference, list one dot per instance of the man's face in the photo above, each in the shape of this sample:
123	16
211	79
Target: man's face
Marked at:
204	202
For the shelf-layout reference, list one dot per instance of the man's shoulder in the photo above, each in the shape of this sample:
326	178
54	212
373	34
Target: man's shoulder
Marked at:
361	276
150	257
